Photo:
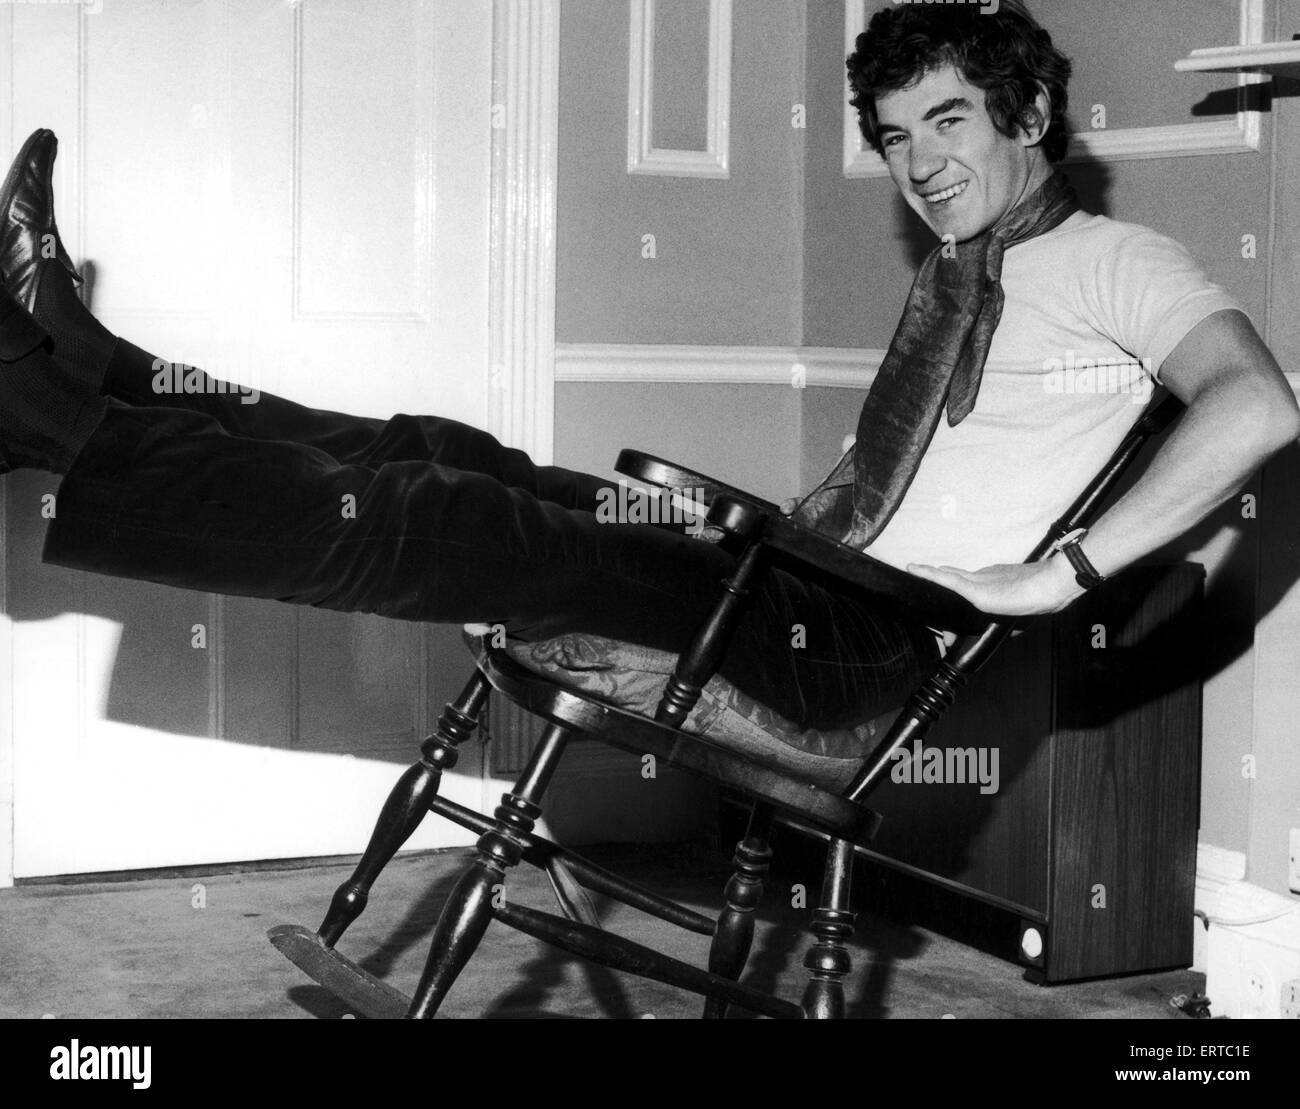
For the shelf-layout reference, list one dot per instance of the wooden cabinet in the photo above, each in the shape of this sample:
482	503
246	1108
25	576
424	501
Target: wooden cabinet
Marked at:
1092	721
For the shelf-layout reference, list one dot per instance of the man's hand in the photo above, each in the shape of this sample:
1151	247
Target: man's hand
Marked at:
1032	589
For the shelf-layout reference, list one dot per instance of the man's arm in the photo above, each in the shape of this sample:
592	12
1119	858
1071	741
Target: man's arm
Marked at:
1240	411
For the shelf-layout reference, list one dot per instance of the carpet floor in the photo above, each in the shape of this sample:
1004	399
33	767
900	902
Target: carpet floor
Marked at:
195	946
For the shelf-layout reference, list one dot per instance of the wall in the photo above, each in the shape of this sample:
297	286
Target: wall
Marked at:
728	253
725	272
727	269
692	424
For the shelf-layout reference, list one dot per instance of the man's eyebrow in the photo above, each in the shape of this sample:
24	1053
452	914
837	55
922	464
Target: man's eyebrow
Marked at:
955	104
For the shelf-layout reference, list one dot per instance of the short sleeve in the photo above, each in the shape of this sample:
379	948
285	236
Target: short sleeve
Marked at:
1148	292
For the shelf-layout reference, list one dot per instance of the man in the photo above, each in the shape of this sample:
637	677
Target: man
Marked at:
201	491
968	111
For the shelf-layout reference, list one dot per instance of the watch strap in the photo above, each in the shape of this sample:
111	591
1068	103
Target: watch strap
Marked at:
1085	573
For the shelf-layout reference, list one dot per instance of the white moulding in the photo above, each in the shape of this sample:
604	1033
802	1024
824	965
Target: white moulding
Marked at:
1280	59
643	157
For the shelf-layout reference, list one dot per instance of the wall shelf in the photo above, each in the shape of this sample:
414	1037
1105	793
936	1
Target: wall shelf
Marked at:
1277	59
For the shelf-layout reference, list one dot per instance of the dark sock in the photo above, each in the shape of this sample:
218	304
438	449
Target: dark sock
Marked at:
46	413
129	375
82	345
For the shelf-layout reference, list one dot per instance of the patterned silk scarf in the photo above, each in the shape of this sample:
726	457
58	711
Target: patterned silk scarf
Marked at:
936	359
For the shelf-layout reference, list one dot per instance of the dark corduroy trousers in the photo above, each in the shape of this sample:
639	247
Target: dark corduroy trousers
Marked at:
423	518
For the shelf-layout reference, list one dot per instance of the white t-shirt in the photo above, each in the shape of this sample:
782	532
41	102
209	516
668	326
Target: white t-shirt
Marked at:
1092	311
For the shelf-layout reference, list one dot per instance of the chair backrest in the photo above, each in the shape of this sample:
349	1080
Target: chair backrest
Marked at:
1163	409
937	693
1160	412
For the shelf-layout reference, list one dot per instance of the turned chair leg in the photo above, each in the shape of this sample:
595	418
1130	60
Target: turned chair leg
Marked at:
828	960
734	934
406	806
467	912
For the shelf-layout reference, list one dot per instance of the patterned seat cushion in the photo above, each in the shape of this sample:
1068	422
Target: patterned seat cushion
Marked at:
633	678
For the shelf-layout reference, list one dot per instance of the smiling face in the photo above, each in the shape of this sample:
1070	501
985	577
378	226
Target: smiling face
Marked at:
954	168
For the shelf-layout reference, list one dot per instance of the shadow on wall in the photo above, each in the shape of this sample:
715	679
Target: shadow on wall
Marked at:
293	677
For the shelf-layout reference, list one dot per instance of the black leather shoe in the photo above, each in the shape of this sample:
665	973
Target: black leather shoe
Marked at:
29	237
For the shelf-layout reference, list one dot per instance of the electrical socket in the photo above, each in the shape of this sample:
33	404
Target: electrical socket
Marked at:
1256	990
1291	999
1293	871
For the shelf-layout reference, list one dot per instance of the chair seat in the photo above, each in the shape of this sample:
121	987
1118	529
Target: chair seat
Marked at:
632	678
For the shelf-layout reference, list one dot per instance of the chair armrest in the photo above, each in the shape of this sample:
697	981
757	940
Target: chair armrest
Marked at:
746	516
668	475
910	596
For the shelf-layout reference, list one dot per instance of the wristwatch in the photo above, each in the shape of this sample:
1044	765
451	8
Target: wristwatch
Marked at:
1085	573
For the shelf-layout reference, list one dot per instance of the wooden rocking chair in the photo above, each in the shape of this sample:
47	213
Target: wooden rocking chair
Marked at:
809	790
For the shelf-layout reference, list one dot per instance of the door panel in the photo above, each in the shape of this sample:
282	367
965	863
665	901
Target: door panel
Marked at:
295	197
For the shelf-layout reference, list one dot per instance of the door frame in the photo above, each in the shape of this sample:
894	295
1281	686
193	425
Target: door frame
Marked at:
526	128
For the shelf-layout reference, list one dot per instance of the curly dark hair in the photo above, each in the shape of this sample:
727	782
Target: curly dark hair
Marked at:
1004	52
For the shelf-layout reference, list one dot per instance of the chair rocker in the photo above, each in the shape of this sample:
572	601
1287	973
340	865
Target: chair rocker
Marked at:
824	794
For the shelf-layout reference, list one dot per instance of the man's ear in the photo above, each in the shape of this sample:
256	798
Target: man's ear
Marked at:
1036	121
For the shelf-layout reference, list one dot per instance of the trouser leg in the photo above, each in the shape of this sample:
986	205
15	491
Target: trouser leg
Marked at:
140	379
170	496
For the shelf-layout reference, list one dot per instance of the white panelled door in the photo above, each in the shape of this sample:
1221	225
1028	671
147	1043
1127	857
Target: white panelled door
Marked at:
295	195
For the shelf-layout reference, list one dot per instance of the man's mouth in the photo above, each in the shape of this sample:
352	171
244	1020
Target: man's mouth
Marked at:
946	195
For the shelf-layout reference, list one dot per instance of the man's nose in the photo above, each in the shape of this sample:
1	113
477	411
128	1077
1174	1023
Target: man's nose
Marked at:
926	163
